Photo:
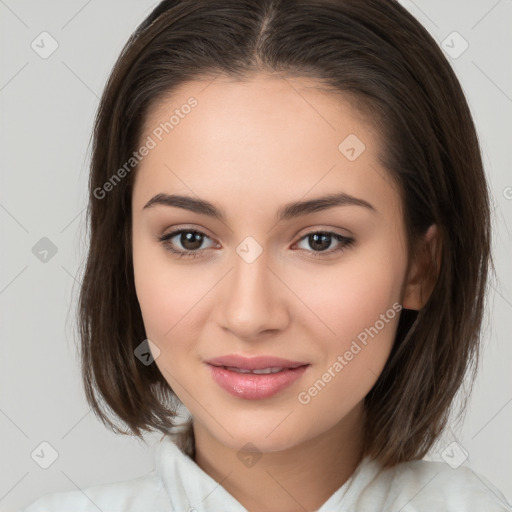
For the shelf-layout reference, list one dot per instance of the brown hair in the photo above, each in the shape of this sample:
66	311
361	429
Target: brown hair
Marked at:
373	51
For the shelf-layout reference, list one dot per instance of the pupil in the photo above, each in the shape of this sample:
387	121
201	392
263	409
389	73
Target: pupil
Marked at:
191	240
320	241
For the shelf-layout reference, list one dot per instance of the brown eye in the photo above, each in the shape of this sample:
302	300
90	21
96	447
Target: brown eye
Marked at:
191	240
184	242
321	241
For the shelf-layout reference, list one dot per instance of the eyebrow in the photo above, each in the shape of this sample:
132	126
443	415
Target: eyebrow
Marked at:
287	212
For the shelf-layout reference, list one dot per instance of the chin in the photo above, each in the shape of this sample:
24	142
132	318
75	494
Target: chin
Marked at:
261	432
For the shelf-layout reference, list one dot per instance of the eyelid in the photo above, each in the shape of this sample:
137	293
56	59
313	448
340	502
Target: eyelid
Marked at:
174	230
319	228
315	228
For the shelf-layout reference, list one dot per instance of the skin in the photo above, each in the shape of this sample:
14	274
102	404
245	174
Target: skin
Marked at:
249	148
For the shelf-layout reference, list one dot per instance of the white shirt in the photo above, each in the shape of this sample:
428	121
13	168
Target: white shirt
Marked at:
178	484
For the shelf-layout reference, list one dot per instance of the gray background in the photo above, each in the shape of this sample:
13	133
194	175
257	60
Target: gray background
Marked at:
47	109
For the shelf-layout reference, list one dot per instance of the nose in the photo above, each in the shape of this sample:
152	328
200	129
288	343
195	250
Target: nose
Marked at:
254	299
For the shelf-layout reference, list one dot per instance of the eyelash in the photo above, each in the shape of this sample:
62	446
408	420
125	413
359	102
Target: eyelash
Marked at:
345	242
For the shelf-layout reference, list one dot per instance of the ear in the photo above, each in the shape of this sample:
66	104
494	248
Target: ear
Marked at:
423	270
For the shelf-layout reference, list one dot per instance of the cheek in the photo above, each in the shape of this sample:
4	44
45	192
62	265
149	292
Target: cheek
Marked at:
359	305
164	295
165	306
347	298
174	301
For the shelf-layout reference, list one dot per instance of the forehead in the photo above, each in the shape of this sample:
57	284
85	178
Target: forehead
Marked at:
271	137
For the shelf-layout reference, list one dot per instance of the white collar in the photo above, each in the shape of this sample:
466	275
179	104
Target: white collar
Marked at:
192	489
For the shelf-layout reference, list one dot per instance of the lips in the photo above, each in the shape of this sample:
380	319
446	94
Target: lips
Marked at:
254	378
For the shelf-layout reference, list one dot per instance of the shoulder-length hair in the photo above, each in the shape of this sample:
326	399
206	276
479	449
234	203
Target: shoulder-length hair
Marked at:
377	55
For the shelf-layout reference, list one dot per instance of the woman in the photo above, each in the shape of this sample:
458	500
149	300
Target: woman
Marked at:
289	236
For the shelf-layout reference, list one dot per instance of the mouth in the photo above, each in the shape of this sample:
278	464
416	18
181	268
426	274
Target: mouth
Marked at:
255	378
260	371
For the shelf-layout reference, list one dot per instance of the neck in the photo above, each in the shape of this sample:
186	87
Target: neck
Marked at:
296	479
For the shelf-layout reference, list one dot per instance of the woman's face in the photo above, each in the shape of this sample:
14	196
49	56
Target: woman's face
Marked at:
316	284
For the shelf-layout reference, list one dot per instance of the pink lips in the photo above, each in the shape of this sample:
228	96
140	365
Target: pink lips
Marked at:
254	386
